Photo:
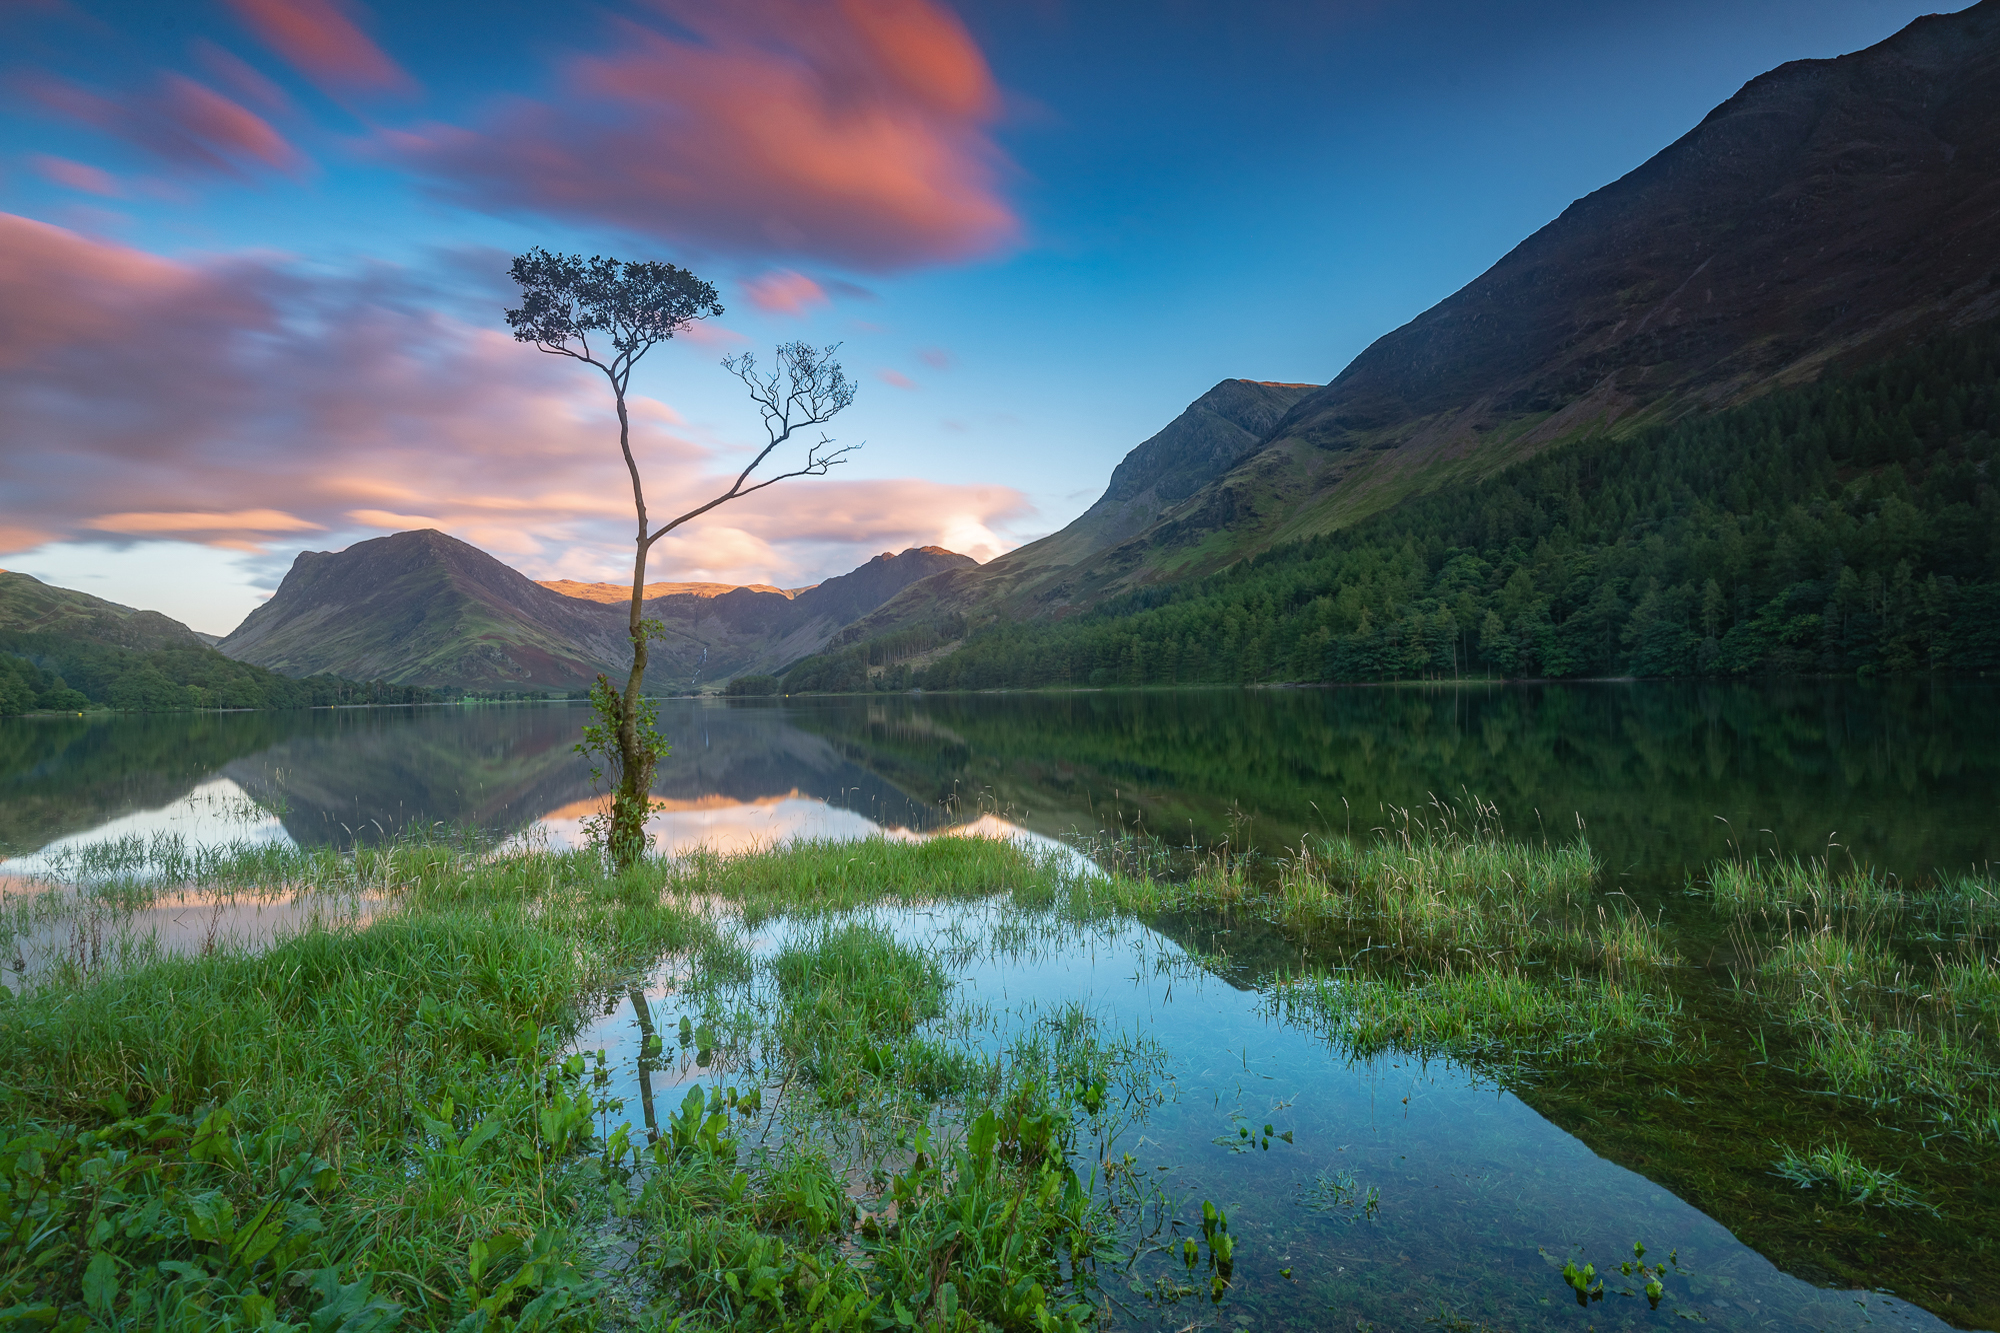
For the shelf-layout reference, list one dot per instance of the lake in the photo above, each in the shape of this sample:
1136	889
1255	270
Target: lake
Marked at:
1411	1191
1663	776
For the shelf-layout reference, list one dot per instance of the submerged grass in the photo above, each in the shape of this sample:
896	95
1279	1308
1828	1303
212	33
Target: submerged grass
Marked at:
381	1120
1870	1009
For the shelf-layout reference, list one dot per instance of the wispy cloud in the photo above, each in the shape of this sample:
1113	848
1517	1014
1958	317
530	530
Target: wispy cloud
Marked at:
856	132
77	175
187	125
323	43
785	292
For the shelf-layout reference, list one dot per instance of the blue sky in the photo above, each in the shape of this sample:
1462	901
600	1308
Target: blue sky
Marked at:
252	251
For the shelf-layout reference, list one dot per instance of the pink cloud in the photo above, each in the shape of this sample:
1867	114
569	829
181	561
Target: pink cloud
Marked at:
934	357
202	522
77	175
238	402
784	292
241	79
895	378
185	123
323	43
855	131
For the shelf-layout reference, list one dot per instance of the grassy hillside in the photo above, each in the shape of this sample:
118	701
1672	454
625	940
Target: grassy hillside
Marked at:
1851	526
67	651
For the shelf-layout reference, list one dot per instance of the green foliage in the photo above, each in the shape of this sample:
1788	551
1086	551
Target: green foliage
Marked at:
62	673
743	687
847	994
621	830
1833	1164
886	662
390	1101
1850	526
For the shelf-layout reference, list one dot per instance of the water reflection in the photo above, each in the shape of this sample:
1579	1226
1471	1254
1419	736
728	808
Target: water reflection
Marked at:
1410	1194
1664	775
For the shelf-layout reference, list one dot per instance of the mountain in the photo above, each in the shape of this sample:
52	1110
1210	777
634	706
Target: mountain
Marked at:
67	651
1214	432
29	606
426	609
748	632
1831	213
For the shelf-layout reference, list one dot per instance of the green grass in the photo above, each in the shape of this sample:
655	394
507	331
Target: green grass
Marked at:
827	877
1834	1167
1824	957
1488	1017
1782	883
368	1122
1886	989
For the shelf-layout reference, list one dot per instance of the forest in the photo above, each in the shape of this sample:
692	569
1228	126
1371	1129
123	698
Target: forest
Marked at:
54	672
1847	527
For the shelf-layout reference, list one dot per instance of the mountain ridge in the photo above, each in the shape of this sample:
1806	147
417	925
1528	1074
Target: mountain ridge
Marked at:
424	608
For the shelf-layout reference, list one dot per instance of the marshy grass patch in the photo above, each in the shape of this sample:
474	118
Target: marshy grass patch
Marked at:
1488	1018
1832	1166
1828	957
1866	1015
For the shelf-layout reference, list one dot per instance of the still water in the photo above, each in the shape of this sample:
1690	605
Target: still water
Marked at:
1480	1189
1662	776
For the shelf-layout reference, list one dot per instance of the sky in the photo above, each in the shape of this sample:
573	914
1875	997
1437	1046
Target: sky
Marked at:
254	253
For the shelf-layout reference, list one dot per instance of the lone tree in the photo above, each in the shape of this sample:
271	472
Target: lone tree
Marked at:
630	308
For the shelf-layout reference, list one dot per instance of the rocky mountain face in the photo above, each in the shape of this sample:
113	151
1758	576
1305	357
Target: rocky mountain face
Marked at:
422	608
746	631
1832	212
621	593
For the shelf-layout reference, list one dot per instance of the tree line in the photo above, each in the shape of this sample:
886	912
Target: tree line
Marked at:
1850	526
53	672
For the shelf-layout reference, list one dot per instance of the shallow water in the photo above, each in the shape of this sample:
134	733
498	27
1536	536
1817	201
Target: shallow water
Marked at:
1664	777
1478	1200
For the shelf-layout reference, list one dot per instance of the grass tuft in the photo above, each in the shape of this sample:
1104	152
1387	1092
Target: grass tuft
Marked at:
1832	1165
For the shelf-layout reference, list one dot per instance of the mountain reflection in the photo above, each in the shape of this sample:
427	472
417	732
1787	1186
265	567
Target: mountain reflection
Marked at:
1903	775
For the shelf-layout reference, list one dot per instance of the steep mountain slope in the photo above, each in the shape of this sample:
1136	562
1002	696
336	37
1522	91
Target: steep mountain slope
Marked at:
423	608
29	606
1832	214
1831	211
1211	434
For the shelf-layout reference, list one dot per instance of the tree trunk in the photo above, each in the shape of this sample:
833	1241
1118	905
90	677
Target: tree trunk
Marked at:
632	802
